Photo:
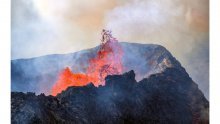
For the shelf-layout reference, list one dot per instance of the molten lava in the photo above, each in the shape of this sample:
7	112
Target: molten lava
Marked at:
108	61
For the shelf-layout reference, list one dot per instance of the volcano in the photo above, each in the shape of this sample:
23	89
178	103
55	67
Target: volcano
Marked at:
113	83
41	73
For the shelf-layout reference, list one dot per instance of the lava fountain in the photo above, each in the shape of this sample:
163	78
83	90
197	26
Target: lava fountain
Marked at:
108	61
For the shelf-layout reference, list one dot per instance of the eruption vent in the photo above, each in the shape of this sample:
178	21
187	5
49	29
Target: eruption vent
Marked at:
108	61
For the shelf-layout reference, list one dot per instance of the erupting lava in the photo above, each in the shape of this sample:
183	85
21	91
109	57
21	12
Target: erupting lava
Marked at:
108	61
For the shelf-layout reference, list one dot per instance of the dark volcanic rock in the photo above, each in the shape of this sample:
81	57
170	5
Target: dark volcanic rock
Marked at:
169	97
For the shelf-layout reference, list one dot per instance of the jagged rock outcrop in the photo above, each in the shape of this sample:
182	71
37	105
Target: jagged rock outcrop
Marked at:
168	97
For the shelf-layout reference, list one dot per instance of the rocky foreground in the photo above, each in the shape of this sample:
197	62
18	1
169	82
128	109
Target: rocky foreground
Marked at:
169	97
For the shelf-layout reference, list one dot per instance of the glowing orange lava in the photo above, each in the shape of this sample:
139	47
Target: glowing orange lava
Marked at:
108	61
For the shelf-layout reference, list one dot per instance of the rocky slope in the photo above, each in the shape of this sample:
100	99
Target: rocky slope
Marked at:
39	74
168	97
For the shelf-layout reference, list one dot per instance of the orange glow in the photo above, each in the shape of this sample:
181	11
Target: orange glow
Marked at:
108	61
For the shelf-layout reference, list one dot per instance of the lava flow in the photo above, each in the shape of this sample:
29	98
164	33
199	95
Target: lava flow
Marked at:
108	61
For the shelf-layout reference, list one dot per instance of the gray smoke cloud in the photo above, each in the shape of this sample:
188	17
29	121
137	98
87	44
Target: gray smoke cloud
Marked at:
30	34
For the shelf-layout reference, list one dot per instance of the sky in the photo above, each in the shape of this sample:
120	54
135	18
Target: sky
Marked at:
42	27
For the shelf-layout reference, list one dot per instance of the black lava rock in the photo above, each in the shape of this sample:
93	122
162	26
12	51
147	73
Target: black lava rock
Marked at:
169	97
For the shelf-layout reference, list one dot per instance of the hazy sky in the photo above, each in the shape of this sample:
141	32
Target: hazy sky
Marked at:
41	27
